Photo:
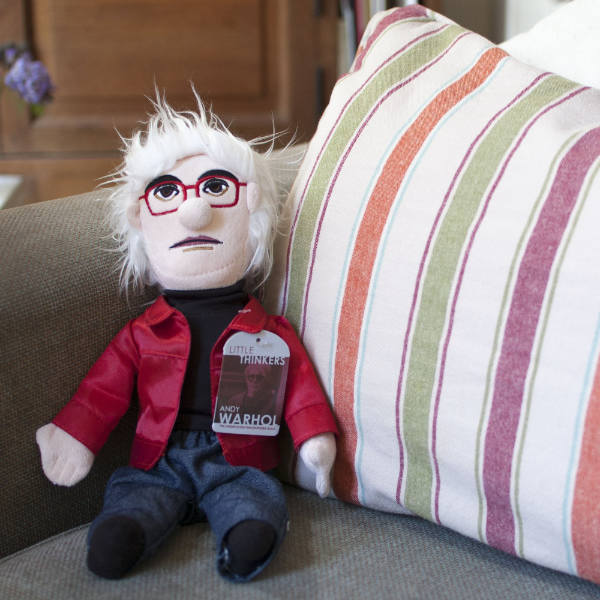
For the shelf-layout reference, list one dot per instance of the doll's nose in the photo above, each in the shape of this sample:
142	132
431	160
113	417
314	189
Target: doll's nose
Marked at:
195	213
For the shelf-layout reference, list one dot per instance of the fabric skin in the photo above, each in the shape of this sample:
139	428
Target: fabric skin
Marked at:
193	482
212	264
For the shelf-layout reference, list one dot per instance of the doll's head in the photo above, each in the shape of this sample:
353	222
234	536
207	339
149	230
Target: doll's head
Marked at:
194	207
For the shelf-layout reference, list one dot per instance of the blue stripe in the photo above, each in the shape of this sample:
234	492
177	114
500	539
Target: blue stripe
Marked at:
364	201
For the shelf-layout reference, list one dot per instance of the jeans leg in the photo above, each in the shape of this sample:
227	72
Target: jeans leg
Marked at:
144	497
244	494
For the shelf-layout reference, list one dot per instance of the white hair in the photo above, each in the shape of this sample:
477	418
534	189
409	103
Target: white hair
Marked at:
169	136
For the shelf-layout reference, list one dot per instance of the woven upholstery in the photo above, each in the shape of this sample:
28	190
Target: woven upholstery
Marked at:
333	550
60	306
442	270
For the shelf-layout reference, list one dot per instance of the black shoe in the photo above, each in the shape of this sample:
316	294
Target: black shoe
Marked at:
115	547
248	544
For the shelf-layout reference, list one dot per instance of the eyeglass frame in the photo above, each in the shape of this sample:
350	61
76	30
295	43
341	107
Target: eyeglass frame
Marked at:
196	187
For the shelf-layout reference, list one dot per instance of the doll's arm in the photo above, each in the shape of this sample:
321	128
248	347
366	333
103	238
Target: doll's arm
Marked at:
65	460
318	454
307	412
68	444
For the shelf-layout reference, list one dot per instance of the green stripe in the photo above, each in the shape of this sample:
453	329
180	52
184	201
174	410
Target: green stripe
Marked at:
437	287
397	70
547	309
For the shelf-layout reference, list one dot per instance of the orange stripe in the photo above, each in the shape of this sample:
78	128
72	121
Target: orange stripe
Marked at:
363	260
585	520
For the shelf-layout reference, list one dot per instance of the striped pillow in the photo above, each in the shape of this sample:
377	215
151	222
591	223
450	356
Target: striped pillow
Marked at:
443	270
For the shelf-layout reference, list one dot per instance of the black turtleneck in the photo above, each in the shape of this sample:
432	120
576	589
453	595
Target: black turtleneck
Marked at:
208	313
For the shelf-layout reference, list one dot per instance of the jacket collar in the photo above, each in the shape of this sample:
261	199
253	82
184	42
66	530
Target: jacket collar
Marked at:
252	318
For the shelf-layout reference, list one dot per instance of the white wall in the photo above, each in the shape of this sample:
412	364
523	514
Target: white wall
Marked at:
521	15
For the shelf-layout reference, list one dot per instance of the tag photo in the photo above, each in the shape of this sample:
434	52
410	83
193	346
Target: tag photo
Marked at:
251	391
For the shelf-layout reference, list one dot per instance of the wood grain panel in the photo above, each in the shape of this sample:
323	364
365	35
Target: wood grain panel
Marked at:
262	65
114	48
436	5
106	56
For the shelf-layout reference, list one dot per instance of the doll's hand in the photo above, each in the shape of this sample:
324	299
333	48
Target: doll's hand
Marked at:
318	454
65	460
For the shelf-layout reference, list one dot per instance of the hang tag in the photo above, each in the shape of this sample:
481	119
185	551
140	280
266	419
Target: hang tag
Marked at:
252	385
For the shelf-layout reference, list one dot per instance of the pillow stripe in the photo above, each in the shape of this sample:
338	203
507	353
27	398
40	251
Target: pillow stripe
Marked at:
573	520
393	17
499	324
417	288
584	540
519	334
540	343
364	254
372	295
442	271
585	524
457	290
411	61
431	321
341	164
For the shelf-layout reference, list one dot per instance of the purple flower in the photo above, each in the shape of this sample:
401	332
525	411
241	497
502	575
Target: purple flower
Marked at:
10	53
30	79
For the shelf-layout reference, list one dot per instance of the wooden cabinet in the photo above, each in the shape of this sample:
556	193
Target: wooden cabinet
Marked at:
259	63
433	4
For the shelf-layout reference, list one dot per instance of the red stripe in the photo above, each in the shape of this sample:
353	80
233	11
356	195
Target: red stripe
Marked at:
400	14
585	520
343	161
326	147
363	260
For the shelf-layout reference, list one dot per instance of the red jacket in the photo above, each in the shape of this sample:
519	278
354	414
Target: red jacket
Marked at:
155	347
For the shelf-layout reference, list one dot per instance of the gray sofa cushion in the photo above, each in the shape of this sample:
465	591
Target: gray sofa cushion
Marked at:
333	550
59	308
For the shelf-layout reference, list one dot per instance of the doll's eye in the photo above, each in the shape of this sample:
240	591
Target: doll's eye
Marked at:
215	187
166	191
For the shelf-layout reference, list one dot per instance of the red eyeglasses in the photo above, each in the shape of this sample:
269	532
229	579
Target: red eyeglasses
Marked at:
166	196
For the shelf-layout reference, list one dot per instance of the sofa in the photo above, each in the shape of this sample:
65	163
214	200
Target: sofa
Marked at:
416	124
60	307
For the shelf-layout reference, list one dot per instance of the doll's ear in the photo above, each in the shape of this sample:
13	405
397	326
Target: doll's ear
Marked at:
133	215
252	196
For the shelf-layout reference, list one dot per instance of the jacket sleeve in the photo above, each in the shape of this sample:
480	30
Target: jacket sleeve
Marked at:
104	395
307	411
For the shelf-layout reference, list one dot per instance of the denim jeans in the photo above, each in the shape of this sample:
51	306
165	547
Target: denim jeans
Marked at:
193	482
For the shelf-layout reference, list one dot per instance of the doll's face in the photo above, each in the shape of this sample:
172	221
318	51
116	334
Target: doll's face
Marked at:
195	220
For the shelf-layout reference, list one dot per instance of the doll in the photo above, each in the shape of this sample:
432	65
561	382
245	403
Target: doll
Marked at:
194	210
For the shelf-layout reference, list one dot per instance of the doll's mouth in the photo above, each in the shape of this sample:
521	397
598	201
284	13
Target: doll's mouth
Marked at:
201	240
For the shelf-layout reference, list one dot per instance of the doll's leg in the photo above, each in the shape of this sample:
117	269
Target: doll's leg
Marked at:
248	516
140	510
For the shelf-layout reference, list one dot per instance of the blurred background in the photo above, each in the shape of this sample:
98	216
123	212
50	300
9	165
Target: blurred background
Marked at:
261	64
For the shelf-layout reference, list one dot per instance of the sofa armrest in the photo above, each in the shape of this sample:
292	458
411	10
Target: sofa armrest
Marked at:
60	306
